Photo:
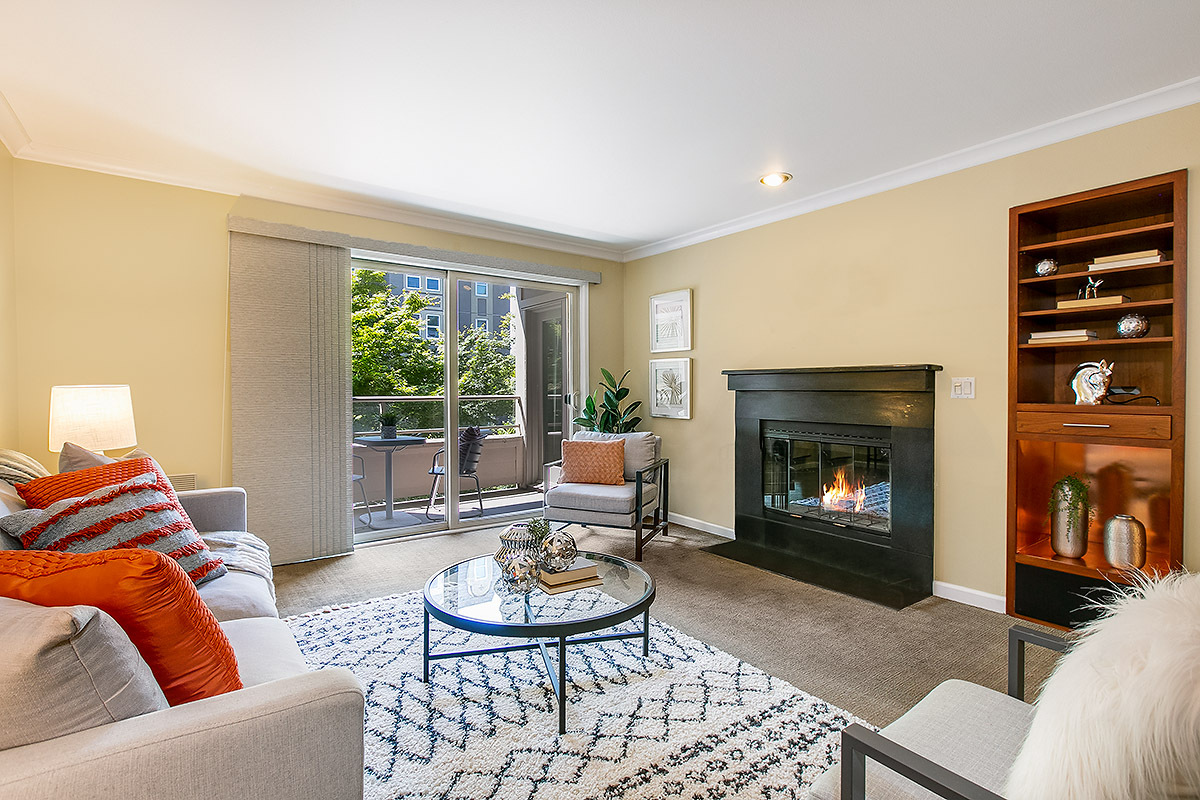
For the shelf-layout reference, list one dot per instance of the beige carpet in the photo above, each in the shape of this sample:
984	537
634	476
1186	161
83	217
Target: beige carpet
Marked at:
870	660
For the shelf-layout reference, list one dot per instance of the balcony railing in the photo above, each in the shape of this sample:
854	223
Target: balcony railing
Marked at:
424	415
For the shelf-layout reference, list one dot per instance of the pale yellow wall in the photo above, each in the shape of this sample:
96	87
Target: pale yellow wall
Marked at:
126	281
8	320
914	275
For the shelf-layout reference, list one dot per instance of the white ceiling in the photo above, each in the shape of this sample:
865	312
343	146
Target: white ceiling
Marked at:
618	128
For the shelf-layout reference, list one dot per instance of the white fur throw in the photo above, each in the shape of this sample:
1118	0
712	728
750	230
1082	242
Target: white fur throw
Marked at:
1120	716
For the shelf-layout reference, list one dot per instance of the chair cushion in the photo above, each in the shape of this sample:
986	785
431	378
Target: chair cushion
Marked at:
1120	715
599	497
66	669
593	462
266	650
150	597
641	448
137	512
972	731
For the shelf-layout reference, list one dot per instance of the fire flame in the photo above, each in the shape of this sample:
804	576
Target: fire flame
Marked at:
841	496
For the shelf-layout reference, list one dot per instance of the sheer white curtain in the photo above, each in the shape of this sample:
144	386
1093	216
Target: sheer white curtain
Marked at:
289	327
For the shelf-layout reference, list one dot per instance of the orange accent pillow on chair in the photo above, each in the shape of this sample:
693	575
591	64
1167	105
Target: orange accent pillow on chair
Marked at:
150	597
594	462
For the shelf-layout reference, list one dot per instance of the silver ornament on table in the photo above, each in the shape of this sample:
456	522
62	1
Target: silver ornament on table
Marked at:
516	538
1125	542
1047	266
521	572
558	551
1133	326
1090	382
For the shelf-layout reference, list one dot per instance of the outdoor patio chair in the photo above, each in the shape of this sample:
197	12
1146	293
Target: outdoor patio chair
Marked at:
357	477
470	448
640	504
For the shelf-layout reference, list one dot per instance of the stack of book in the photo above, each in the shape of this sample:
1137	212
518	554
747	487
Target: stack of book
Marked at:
1089	302
1126	260
579	575
1062	337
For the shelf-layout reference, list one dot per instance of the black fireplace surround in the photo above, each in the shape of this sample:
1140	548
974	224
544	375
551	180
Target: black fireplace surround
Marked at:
833	473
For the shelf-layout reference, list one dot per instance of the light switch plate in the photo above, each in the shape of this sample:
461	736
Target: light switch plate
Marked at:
962	388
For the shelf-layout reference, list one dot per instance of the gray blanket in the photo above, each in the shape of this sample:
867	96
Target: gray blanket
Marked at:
243	552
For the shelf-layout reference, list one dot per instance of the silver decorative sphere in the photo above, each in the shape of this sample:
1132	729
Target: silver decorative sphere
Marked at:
558	551
1047	266
1133	326
516	538
522	573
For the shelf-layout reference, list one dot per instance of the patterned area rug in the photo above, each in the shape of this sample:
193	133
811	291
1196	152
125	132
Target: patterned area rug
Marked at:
689	721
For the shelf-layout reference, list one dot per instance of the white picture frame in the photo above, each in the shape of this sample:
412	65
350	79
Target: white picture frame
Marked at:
671	388
671	321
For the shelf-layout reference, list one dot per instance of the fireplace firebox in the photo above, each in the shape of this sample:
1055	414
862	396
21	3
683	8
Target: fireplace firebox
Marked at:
834	477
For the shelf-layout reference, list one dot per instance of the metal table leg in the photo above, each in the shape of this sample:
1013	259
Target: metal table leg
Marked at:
425	659
389	495
562	684
646	633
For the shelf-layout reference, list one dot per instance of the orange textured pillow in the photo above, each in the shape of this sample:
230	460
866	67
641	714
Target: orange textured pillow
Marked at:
594	462
150	597
41	492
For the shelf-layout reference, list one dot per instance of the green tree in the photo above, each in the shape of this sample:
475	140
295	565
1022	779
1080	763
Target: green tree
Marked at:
486	365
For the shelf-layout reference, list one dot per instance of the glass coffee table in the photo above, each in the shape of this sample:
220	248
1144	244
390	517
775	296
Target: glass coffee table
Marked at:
472	596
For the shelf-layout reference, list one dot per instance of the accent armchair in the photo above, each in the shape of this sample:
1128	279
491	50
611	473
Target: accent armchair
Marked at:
640	504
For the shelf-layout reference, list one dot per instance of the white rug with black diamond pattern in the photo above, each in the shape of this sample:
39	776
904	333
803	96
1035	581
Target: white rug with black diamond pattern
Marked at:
689	721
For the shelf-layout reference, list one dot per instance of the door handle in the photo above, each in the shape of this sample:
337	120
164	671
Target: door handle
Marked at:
1085	425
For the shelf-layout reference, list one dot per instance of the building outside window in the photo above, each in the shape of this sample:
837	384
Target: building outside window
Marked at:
481	290
433	284
481	323
412	281
433	326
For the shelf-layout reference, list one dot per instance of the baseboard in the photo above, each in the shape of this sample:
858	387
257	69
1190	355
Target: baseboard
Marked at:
701	525
970	597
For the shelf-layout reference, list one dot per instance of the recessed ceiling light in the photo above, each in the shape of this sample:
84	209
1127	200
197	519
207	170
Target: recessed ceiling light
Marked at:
775	178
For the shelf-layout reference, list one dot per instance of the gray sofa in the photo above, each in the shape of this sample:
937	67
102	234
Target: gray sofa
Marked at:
289	733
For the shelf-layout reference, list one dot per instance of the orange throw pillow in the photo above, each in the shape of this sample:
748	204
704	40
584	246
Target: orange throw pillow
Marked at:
41	492
150	597
594	462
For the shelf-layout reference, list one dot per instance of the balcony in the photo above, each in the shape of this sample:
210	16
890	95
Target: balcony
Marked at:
509	480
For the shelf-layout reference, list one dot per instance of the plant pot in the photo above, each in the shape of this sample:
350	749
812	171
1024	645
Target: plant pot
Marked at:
387	431
1068	537
1125	542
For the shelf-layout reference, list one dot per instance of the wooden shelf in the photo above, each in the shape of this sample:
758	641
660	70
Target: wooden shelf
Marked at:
1071	408
1138	272
1096	237
1102	342
1092	311
1092	565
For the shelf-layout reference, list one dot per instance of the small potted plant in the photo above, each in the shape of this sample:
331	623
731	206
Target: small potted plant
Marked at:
1070	513
387	423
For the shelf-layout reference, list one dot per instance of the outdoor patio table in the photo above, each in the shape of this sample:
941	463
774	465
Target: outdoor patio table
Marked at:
387	447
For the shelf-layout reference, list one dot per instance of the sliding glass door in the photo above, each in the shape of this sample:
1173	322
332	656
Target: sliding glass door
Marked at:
482	362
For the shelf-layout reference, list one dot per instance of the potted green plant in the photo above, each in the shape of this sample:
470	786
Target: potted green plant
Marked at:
387	422
602	409
1070	513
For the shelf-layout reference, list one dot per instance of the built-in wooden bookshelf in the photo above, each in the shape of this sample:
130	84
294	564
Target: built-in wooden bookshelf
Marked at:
1131	455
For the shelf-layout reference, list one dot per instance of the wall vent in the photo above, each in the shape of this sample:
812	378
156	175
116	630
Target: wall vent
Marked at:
183	483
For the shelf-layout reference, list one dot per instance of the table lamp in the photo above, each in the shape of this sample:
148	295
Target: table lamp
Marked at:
95	417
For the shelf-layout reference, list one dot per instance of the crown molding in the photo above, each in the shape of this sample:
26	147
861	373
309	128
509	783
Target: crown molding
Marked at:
1158	101
12	132
328	200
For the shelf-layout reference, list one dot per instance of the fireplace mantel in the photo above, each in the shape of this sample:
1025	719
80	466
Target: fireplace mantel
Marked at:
893	403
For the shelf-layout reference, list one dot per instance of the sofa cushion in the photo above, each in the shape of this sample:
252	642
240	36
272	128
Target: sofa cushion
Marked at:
137	512
599	497
66	669
265	649
73	458
641	448
594	462
236	595
17	467
150	597
10	503
972	731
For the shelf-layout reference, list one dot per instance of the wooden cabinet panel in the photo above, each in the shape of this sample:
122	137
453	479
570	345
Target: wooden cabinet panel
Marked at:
1142	426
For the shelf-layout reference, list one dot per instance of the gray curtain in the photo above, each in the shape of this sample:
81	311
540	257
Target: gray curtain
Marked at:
289	327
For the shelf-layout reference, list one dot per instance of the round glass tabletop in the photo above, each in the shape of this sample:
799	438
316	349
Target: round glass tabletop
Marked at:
473	595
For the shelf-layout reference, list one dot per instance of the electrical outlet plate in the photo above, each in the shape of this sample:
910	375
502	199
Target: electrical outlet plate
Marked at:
962	388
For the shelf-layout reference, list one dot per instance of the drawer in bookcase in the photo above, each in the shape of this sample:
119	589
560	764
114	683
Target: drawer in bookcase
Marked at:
1141	426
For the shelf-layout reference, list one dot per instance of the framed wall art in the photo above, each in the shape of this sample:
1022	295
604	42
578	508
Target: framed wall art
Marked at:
671	321
671	388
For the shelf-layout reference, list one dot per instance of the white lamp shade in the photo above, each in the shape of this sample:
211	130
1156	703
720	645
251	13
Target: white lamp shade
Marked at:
95	417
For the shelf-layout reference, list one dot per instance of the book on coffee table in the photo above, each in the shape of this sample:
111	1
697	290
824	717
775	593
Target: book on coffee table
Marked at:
582	568
570	586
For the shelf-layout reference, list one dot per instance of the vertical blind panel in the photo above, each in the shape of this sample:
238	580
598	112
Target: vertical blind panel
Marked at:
289	329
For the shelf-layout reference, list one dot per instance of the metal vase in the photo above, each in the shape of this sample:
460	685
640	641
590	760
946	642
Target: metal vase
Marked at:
1125	542
514	539
1067	539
